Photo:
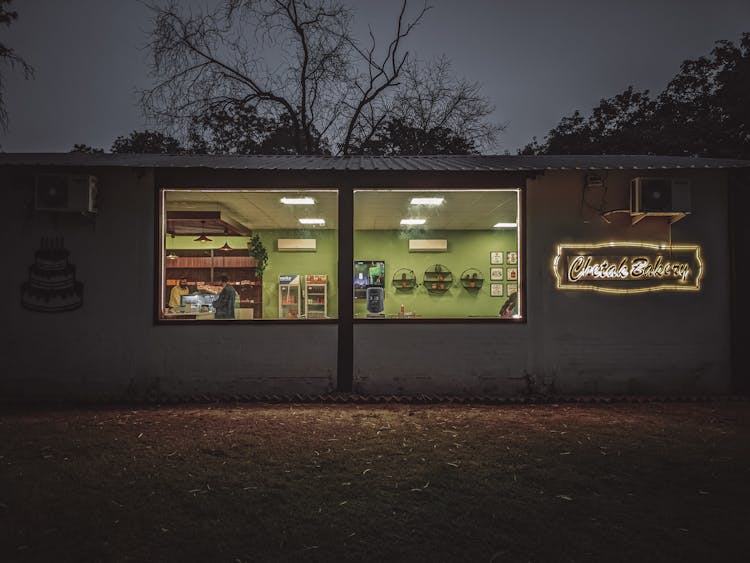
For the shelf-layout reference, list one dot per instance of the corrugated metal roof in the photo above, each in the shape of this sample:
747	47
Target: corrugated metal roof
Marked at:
437	163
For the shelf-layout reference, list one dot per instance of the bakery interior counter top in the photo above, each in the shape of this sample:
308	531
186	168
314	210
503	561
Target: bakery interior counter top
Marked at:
188	315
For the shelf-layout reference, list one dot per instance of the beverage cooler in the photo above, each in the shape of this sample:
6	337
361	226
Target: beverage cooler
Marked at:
316	296
289	296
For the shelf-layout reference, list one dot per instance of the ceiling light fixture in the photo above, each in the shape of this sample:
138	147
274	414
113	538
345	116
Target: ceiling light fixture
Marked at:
297	201
413	221
172	255
203	237
313	221
226	246
427	200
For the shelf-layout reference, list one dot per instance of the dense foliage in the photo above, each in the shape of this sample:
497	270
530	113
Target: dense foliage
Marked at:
147	142
703	111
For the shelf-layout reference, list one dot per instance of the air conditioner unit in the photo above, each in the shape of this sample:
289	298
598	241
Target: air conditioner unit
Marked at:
297	244
65	193
669	197
428	245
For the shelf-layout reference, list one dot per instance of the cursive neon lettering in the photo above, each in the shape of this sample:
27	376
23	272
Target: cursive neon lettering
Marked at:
584	267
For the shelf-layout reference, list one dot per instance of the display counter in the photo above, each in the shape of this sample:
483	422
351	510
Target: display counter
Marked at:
240	313
189	316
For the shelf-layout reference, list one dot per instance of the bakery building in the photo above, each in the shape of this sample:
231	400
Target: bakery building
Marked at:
132	276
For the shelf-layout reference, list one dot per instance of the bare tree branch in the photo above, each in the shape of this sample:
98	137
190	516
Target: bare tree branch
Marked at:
297	62
11	58
380	77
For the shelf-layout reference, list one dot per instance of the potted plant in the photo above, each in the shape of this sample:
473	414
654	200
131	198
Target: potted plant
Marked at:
257	250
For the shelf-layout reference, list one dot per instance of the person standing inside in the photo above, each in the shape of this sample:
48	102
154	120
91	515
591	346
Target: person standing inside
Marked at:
510	307
175	296
224	303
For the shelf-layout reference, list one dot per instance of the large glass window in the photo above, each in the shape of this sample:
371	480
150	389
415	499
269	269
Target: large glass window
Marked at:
437	254
248	254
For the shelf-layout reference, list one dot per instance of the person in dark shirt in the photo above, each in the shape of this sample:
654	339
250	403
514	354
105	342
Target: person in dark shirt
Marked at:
510	307
224	303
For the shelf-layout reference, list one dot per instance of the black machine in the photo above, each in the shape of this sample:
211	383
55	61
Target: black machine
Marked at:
368	273
375	297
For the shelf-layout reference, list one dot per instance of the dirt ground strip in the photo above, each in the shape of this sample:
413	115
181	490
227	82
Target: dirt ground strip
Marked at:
294	482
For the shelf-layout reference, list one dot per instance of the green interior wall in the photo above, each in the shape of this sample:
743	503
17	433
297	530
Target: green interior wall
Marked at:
323	261
466	249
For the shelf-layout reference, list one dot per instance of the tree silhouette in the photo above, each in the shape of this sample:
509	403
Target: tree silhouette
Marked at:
292	74
240	130
9	57
86	149
703	111
151	142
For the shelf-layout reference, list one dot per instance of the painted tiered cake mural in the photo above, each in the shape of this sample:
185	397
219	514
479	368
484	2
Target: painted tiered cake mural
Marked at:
52	286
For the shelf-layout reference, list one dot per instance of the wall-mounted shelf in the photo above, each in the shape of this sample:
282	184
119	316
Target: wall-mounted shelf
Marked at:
437	279
404	279
472	279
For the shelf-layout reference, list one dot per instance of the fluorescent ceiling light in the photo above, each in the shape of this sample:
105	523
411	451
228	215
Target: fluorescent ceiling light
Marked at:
413	221
427	200
297	201
505	225
313	221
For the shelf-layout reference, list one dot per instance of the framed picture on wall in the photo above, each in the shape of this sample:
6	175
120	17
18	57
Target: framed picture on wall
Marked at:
512	288
512	257
496	274
496	290
512	274
496	257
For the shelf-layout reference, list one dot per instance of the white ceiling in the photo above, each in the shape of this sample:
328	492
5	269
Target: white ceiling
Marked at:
373	209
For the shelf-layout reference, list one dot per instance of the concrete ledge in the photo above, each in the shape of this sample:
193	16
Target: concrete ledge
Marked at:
349	398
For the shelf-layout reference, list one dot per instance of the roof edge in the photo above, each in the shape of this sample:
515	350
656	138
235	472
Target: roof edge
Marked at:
354	163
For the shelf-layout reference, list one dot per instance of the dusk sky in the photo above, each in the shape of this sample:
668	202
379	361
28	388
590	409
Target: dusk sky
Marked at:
537	60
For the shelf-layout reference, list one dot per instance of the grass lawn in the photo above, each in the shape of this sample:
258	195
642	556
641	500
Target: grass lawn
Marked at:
300	482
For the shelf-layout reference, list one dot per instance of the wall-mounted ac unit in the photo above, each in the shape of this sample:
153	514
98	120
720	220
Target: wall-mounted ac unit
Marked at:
669	197
428	245
297	244
65	192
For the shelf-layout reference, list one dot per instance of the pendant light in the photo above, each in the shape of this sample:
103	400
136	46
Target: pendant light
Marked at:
172	255
226	246
203	237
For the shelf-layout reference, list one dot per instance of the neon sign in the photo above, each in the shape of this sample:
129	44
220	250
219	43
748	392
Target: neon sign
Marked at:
628	267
